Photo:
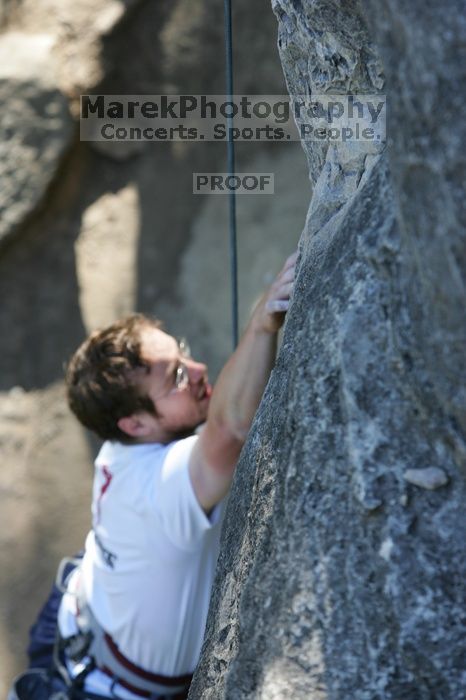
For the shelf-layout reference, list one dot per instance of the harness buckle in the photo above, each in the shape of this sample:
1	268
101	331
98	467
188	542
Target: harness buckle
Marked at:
77	646
64	572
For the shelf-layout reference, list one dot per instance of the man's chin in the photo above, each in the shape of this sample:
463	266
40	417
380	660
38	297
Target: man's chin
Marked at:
188	431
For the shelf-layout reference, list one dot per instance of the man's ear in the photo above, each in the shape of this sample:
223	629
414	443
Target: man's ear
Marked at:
137	425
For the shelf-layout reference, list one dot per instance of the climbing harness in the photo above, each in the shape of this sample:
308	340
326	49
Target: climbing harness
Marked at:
231	172
53	682
91	648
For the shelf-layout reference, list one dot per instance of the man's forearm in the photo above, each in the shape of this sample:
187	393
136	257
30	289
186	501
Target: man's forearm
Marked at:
242	381
237	394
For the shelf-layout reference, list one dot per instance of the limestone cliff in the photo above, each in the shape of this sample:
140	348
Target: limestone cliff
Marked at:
343	568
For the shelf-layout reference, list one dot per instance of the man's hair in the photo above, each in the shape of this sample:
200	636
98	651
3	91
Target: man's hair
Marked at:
100	388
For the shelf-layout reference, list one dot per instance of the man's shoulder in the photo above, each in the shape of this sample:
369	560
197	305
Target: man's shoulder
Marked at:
116	456
118	452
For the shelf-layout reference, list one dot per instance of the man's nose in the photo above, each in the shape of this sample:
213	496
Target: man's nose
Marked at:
196	371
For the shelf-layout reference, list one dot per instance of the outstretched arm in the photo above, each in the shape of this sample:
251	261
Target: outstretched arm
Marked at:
237	393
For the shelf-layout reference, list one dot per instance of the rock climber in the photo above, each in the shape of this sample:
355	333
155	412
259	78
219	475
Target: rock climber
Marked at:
132	616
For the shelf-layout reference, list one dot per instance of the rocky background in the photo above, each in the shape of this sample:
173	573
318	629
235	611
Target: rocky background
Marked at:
88	234
343	568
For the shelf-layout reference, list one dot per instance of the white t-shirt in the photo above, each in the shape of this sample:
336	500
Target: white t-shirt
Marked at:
150	559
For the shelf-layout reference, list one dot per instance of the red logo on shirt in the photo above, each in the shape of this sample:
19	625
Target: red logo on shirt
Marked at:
108	477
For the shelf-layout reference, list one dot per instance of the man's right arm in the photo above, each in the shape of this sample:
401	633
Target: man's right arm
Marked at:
237	394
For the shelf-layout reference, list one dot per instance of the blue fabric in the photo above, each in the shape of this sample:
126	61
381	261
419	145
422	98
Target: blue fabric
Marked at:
43	632
37	684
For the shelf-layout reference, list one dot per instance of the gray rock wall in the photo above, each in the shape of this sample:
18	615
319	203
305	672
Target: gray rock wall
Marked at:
342	572
35	126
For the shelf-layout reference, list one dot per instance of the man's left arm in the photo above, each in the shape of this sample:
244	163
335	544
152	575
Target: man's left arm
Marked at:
238	392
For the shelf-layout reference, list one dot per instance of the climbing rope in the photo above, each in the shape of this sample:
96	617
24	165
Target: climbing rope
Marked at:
231	171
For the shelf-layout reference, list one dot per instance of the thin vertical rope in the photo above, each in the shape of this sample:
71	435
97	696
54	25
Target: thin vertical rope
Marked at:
231	171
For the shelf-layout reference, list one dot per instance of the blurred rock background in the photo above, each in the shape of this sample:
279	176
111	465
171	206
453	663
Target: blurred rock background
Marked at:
88	234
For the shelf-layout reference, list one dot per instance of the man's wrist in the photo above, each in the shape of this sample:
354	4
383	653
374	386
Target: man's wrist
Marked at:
263	326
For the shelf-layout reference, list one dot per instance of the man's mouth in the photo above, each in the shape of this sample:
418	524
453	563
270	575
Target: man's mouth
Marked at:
205	392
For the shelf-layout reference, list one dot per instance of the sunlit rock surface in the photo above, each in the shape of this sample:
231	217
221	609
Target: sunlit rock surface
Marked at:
35	125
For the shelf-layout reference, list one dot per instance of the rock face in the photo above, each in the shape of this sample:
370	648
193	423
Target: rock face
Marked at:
35	126
343	554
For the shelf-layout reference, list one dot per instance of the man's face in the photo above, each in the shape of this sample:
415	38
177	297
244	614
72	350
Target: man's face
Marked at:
179	411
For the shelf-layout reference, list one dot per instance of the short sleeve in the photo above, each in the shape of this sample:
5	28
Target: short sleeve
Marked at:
182	518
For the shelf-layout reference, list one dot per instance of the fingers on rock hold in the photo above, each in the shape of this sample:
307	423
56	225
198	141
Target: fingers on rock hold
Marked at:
278	305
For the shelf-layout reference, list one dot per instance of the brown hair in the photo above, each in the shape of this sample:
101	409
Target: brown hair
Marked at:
98	381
